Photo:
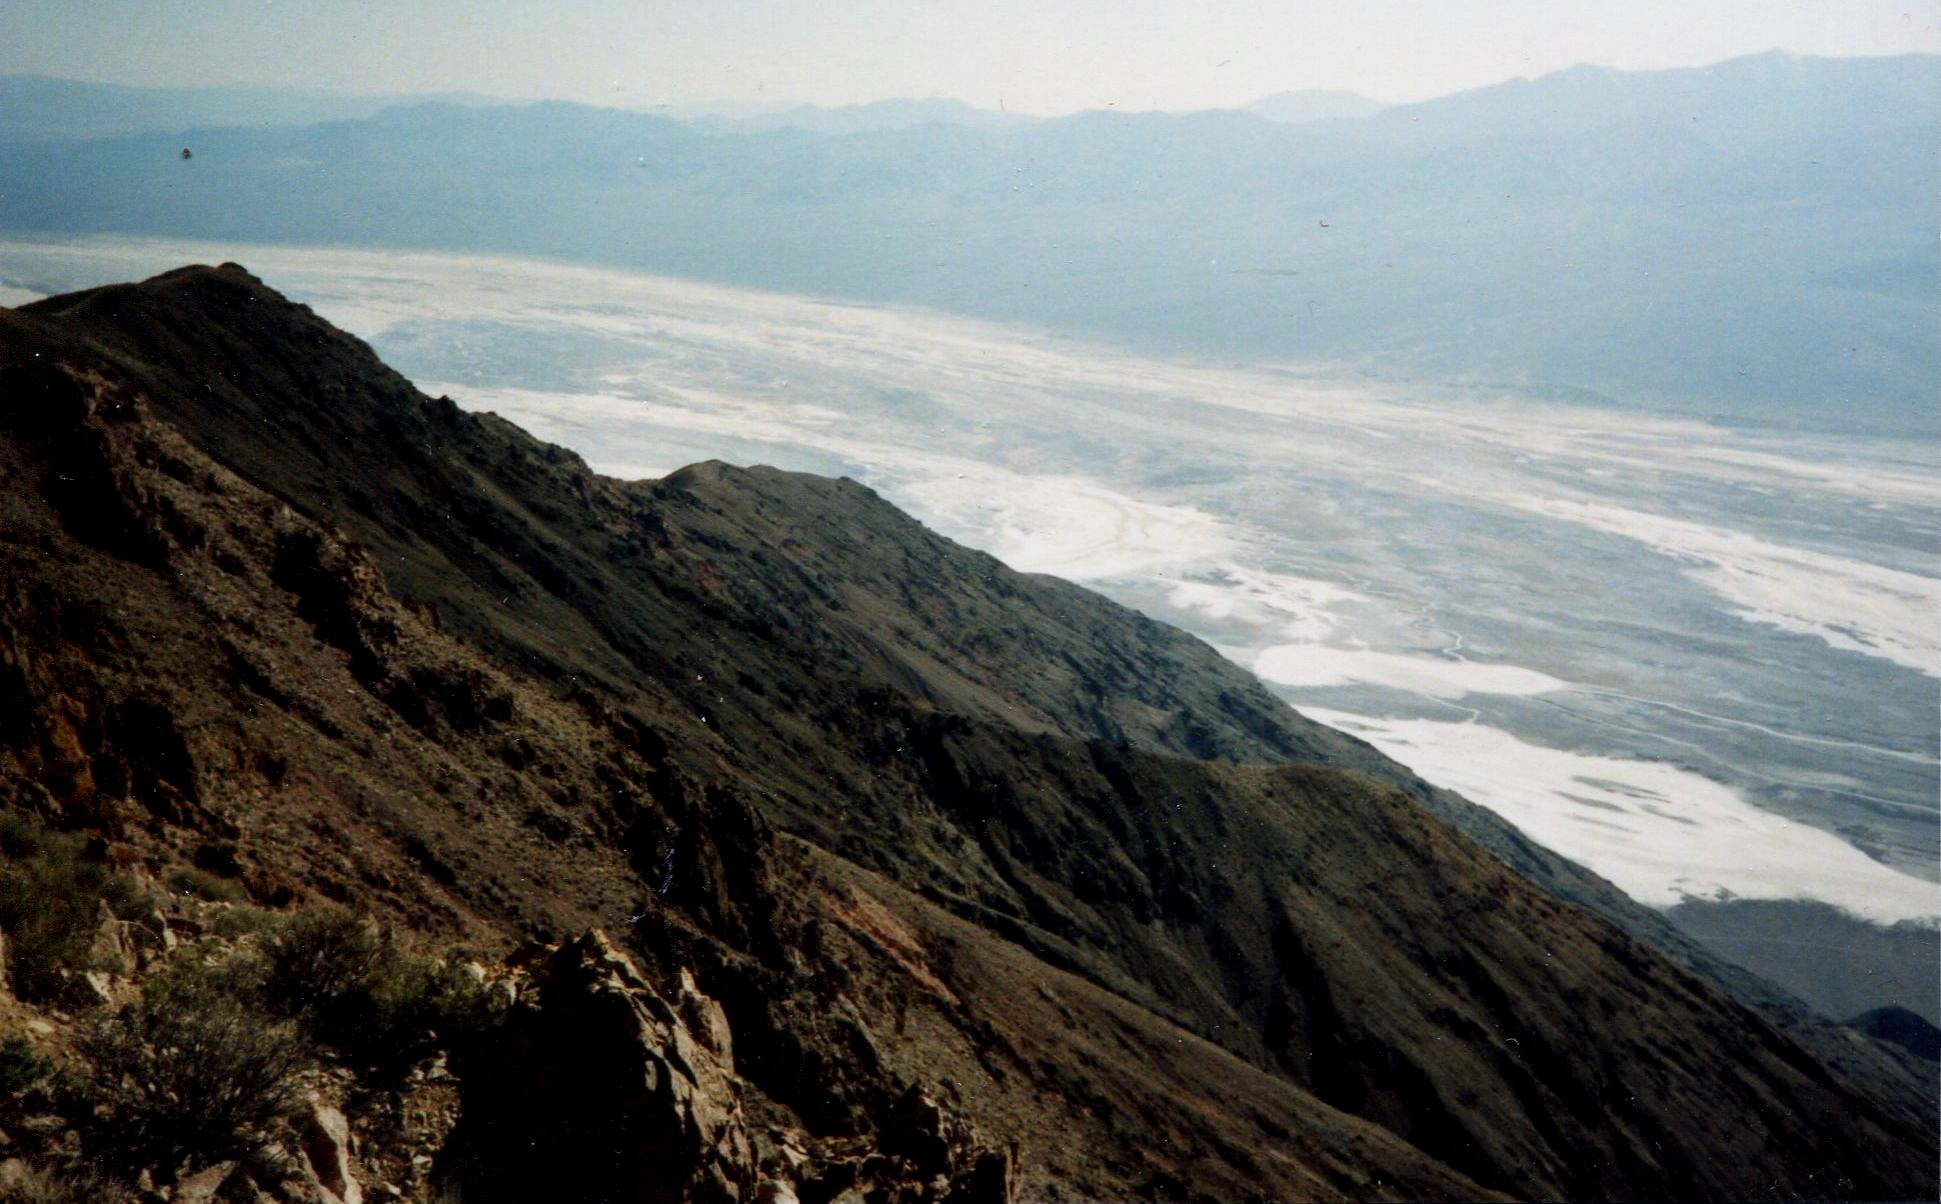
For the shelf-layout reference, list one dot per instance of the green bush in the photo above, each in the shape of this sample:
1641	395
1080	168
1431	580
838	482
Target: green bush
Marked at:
193	1069
321	962
50	904
20	1067
420	1005
194	880
244	920
354	989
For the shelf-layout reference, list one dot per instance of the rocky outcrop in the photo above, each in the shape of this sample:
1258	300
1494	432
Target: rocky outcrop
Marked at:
614	1088
926	1153
607	1093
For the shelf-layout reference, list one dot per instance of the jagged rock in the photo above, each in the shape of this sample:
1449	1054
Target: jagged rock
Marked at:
606	1092
201	1187
991	1179
147	939
157	924
325	1142
706	1019
928	1136
789	1157
924	1152
96	987
113	951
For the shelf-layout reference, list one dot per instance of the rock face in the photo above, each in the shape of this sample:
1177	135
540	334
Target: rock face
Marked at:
606	1093
612	1091
937	1144
926	880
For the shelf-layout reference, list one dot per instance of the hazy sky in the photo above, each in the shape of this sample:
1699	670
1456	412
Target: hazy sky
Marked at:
1043	56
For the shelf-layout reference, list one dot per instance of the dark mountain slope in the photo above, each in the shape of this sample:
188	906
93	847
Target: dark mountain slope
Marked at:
596	697
196	675
1903	1028
758	602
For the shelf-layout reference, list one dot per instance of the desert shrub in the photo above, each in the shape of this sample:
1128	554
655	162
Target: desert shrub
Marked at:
244	920
194	880
354	989
193	1069
50	904
21	1067
63	1185
29	1083
320	963
420	1005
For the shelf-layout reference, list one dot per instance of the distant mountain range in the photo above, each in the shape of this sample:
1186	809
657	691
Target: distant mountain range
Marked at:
36	108
876	117
1295	108
1292	108
1753	240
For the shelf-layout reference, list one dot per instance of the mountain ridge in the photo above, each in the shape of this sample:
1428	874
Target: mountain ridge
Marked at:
752	706
536	605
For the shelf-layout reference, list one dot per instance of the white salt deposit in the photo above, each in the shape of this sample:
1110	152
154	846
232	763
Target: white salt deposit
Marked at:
1660	833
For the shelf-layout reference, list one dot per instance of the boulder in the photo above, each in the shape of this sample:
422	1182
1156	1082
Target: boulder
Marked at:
112	951
776	1191
157	925
203	1186
992	1178
95	988
325	1142
928	1136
